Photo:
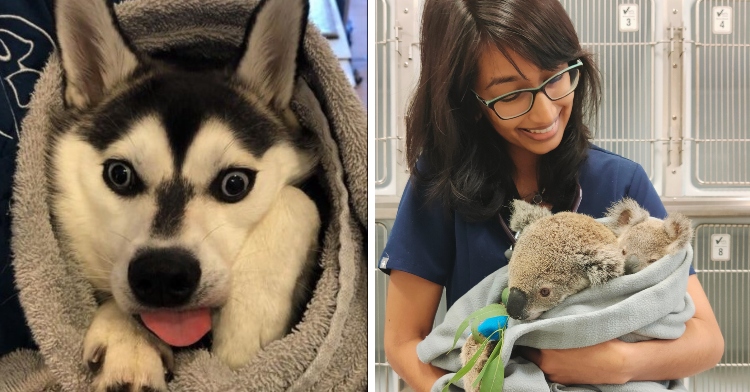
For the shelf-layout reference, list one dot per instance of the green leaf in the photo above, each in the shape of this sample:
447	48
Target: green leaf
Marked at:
470	364
491	310
494	354
504	295
493	379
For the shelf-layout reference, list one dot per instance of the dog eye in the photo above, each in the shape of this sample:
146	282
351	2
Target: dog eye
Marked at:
232	185
121	177
544	292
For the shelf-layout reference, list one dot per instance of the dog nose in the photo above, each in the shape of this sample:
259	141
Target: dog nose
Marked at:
164	277
516	303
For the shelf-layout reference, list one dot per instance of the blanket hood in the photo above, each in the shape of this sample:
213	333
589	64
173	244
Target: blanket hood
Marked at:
328	348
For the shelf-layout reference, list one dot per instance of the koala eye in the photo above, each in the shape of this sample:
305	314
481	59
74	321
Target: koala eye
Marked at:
544	292
651	261
623	252
233	184
120	176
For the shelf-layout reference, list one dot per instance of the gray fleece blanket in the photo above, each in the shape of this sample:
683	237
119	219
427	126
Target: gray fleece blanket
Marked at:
650	304
327	350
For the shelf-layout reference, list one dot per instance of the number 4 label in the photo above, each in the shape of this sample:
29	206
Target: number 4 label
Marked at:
720	247
628	16
722	20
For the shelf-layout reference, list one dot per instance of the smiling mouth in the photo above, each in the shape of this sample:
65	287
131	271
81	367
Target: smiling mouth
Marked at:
543	130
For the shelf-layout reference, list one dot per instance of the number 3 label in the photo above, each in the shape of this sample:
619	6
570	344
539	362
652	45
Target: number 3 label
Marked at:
722	20
628	16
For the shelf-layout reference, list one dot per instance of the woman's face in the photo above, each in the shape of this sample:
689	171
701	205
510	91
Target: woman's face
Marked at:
541	129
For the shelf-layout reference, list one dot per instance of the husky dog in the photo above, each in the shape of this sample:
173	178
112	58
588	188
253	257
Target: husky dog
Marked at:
174	192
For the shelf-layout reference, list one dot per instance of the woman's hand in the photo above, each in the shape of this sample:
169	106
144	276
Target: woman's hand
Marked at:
604	363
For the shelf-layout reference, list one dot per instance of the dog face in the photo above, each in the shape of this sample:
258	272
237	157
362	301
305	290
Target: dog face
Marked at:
159	174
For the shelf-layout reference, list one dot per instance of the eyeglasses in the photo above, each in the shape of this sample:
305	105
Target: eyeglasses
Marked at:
517	103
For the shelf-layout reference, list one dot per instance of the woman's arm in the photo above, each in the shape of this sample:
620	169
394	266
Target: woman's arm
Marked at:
409	314
616	362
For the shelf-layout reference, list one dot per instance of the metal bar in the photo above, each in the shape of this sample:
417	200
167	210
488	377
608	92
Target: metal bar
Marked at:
381	107
709	206
716	140
388	138
632	140
721	45
732	365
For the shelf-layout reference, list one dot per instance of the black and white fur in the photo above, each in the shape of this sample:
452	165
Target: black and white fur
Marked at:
159	173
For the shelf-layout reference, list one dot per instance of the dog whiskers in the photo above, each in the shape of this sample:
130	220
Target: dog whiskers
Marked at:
212	231
226	149
5	301
104	258
121	235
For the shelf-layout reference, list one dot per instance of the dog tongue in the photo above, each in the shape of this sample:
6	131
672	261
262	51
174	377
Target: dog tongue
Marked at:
178	329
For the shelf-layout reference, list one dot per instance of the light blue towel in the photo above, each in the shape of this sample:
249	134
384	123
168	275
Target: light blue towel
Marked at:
651	304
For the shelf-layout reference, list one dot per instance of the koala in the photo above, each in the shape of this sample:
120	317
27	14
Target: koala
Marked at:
643	239
557	256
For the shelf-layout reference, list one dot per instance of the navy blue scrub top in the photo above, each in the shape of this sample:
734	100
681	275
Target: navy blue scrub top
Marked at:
443	248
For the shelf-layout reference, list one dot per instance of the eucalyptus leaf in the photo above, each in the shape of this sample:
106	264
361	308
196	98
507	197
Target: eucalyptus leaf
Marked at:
491	310
470	364
493	379
494	354
504	295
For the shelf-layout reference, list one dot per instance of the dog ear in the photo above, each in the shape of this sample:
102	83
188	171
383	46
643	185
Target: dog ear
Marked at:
679	230
524	214
272	45
624	214
95	55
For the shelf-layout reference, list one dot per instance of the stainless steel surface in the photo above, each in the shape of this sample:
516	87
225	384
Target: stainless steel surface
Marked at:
709	206
383	105
727	286
721	93
626	122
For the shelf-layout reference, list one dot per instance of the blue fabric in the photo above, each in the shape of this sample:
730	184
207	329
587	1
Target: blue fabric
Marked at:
440	246
27	34
488	327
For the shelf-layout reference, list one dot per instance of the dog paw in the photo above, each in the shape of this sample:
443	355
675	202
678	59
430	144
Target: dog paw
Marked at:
123	361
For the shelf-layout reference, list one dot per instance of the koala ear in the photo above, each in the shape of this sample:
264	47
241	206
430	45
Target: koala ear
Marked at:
524	214
602	264
624	214
680	231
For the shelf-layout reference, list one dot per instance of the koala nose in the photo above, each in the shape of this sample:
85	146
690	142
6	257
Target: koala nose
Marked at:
516	303
632	265
164	277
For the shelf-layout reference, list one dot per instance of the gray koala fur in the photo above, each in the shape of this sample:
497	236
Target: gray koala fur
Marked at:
643	239
557	256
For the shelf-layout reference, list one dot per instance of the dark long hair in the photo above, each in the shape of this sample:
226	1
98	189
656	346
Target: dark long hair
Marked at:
465	163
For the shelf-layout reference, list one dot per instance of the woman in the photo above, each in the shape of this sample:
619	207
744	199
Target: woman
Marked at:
499	115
